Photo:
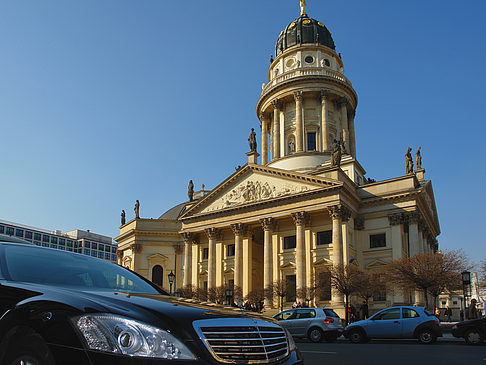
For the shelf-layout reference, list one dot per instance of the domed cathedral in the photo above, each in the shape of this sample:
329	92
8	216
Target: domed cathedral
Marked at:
307	206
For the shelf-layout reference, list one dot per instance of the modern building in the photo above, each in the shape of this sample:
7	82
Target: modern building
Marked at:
84	242
305	206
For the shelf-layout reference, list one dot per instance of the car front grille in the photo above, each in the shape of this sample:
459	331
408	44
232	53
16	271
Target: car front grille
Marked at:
243	340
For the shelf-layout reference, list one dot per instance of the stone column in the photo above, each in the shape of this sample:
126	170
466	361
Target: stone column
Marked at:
345	234
300	219
239	229
264	139
299	137
352	139
413	245
344	122
276	129
268	225
324	130
337	213
396	221
212	234
187	237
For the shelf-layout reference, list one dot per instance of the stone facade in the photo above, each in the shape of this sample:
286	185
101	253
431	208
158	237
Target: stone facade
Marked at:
294	215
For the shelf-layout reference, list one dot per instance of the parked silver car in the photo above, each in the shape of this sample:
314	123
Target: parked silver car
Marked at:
316	324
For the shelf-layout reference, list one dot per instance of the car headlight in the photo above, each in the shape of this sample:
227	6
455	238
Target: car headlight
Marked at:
292	346
116	334
454	327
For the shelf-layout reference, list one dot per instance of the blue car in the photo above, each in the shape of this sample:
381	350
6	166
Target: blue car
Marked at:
396	322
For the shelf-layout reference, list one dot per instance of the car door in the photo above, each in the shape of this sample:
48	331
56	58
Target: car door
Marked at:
410	320
287	320
385	324
304	316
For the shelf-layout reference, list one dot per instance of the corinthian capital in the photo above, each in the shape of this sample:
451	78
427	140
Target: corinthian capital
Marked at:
342	101
136	248
239	229
212	233
268	224
189	237
395	219
414	217
300	218
299	96
276	104
339	212
324	95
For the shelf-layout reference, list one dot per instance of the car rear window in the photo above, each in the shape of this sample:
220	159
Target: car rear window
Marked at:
330	313
53	267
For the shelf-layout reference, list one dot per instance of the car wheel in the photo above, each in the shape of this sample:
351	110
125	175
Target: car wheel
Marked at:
473	337
29	350
315	334
330	337
356	336
426	336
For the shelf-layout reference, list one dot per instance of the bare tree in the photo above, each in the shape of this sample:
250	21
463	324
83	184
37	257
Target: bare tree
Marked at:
187	292
201	294
217	294
432	273
370	284
280	289
482	270
345	279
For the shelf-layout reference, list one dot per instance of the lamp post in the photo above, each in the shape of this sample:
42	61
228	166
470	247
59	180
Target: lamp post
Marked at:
171	277
466	282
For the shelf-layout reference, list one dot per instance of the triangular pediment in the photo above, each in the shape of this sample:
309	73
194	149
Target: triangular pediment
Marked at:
253	184
288	265
376	264
158	257
323	262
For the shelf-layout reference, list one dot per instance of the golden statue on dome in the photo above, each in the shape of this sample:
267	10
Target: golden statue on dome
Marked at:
302	8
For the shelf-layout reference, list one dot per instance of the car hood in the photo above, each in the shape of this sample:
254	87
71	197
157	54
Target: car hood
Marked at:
361	323
162	311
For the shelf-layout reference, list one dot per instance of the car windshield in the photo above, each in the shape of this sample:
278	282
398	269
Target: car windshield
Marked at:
52	267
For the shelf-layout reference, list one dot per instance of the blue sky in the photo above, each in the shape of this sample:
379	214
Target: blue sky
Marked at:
106	102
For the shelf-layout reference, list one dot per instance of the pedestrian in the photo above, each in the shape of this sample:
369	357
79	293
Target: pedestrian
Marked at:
448	313
437	313
294	305
461	315
352	311
364	310
473	311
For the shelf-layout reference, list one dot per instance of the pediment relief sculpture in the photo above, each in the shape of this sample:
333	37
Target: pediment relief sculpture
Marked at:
254	191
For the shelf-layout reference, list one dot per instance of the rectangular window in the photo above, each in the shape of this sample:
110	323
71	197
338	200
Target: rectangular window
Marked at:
291	288
45	244
107	248
19	232
113	249
311	141
324	238
37	243
113	257
454	302
2	229
53	246
289	242
10	231
70	243
37	236
69	249
87	244
28	235
62	241
379	296
100	254
54	240
205	253
45	238
93	253
444	302
230	250
102	247
107	256
324	285
378	240
94	245
62	248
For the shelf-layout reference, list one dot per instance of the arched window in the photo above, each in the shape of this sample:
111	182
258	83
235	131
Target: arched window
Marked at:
158	275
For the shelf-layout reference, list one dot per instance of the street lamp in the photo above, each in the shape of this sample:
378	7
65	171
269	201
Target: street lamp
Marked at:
466	281
171	277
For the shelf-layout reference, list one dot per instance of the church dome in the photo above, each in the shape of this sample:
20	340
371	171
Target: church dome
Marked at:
304	30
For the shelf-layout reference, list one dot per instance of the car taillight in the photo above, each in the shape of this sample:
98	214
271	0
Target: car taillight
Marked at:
437	323
329	320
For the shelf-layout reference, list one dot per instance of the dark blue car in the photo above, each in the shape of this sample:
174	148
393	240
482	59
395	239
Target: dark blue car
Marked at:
396	322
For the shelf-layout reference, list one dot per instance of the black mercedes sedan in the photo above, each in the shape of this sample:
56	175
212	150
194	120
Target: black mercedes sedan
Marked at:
63	308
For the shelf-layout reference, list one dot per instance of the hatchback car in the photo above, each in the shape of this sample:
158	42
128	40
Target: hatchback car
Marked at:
316	324
396	322
473	330
59	307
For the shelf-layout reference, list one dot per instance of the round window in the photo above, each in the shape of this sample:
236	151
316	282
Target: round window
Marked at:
326	62
290	62
309	59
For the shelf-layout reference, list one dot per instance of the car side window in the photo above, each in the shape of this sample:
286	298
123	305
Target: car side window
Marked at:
388	314
306	313
409	313
285	315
